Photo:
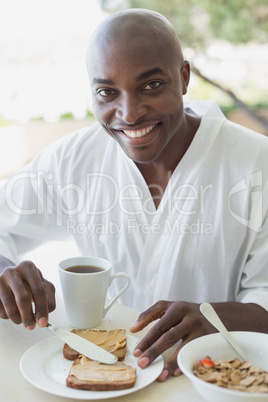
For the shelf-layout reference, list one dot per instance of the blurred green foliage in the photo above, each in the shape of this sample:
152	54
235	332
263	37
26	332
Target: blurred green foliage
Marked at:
4	122
197	22
238	21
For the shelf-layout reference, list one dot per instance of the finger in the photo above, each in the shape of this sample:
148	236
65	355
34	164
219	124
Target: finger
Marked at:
26	285
36	284
3	314
49	289
164	342
151	314
165	326
9	308
23	300
3	294
161	337
170	368
16	299
50	292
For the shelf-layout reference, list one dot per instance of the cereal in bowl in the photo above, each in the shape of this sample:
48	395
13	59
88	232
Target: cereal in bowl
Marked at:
232	374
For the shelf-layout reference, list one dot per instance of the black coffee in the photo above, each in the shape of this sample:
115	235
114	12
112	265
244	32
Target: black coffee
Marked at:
84	269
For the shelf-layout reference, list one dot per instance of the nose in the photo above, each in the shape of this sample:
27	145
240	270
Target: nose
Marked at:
130	108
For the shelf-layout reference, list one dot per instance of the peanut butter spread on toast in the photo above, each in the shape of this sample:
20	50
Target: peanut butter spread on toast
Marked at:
93	371
108	340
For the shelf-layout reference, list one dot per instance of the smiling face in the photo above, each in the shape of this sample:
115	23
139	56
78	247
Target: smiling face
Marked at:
138	77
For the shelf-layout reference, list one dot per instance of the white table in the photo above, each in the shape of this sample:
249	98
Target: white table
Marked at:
15	340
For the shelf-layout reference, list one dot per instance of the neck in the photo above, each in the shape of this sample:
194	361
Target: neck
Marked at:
158	172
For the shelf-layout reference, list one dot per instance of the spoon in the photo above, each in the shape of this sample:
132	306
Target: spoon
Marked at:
208	311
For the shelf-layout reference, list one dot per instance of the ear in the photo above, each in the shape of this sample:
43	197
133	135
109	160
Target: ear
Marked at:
185	75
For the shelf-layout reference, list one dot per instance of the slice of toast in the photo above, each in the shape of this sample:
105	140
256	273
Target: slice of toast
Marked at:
91	375
114	341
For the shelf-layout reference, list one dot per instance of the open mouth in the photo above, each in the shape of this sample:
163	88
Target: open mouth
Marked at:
141	132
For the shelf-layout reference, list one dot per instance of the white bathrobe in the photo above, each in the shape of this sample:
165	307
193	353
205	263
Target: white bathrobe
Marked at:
208	239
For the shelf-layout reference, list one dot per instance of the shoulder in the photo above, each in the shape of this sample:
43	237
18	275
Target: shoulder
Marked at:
88	141
229	134
243	139
91	136
74	154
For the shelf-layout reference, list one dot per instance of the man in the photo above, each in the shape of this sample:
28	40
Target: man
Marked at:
174	194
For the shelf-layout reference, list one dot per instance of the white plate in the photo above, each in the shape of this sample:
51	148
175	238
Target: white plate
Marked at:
44	366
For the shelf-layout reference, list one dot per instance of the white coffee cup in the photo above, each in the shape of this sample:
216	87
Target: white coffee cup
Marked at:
85	294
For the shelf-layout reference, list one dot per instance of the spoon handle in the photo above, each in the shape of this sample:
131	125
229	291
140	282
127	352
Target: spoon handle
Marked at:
208	311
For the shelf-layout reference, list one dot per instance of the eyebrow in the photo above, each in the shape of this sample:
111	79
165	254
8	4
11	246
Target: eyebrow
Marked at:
102	81
140	77
148	73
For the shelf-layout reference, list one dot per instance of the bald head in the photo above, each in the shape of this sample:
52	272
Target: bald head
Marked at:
138	78
133	24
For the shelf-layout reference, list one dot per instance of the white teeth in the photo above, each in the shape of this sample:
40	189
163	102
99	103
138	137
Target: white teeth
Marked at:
139	133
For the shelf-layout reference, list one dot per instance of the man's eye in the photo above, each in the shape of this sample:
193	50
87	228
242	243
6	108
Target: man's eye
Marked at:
105	92
152	85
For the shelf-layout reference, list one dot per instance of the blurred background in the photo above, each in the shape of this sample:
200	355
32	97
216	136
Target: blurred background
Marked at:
44	88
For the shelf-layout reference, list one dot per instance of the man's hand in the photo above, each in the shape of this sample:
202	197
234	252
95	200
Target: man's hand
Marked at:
19	287
178	321
181	321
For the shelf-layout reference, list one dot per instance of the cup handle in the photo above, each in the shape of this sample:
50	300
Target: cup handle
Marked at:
121	291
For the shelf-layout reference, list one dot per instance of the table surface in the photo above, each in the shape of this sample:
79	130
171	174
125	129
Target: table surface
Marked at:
15	340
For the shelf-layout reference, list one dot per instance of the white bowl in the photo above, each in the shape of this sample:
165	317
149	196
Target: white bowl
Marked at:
255	346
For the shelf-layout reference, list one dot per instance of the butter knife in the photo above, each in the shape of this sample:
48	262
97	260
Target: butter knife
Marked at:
83	346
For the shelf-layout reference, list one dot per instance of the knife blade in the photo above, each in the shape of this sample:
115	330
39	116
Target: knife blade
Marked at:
83	346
